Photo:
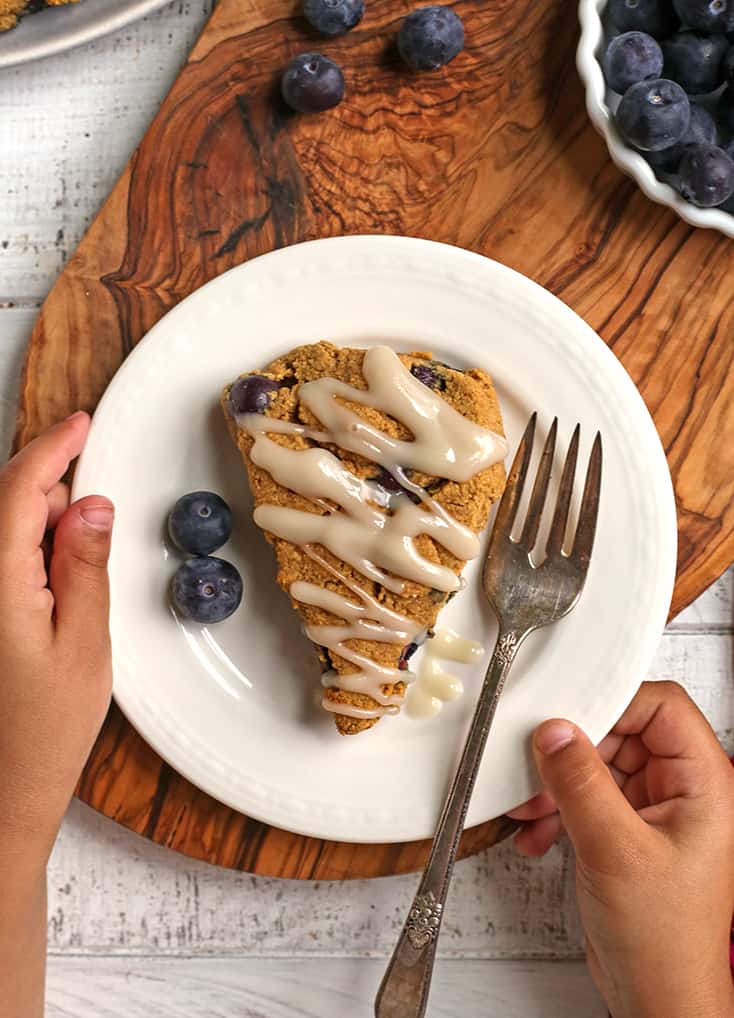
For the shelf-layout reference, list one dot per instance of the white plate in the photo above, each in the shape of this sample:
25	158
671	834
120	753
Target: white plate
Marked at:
57	29
233	707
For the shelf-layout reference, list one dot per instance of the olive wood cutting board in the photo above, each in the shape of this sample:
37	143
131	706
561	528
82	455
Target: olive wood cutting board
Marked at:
494	153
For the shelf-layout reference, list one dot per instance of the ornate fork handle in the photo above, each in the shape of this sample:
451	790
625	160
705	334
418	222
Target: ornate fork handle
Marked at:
404	989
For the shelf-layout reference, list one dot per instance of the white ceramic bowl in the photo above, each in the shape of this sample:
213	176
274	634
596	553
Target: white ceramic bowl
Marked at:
601	102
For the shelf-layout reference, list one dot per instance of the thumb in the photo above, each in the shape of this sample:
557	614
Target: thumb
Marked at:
78	572
600	822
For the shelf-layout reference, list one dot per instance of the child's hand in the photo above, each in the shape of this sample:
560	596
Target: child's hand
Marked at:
651	817
55	673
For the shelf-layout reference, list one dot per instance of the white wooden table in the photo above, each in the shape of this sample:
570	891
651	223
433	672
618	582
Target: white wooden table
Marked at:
135	930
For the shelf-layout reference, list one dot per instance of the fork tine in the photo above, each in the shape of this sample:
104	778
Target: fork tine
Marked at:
515	482
540	490
584	540
557	531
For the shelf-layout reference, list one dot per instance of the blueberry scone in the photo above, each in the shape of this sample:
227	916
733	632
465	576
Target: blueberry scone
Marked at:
373	474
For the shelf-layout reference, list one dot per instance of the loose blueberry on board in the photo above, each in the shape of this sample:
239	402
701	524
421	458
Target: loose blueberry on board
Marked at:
200	522
430	37
632	57
706	15
428	375
701	131
696	61
206	590
706	175
333	17
655	17
312	83
251	395
654	115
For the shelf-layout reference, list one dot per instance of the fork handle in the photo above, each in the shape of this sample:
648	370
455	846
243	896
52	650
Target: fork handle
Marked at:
407	981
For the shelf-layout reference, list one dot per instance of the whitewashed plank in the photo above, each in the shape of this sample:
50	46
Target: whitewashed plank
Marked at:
15	328
714	609
500	905
68	125
327	988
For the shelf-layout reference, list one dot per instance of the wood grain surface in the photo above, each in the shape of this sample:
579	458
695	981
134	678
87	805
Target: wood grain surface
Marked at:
495	154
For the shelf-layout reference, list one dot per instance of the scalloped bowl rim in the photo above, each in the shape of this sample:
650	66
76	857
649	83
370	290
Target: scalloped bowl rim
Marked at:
629	161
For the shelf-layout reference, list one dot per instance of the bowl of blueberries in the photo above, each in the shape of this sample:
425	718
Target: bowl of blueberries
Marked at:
659	77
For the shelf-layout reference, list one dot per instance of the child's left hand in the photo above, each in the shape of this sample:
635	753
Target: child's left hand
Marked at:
55	671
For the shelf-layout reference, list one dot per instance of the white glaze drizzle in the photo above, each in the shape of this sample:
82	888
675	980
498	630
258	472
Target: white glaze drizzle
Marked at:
380	546
365	619
433	686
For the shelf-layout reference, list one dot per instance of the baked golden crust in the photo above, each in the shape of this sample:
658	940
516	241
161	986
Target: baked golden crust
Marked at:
472	394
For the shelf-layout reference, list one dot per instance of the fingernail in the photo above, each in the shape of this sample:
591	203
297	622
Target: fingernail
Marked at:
552	736
100	517
77	413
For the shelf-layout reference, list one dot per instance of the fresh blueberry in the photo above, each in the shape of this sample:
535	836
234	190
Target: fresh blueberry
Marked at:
428	375
389	482
653	114
706	15
728	205
706	175
701	131
725	110
333	17
696	61
391	487
200	522
251	395
728	65
206	590
406	655
312	83
430	37
655	17
630	58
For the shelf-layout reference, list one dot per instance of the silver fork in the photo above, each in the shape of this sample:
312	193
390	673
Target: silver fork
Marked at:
524	597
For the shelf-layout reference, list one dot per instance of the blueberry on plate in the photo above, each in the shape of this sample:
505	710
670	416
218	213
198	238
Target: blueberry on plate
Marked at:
728	65
656	17
696	61
333	17
706	15
706	175
200	522
430	37
206	590
251	395
312	83
429	376
701	131
632	57
653	114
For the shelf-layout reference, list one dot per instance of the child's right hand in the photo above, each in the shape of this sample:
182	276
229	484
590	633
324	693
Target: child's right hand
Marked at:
651	817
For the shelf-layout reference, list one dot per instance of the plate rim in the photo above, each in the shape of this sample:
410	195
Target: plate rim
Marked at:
106	23
329	828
